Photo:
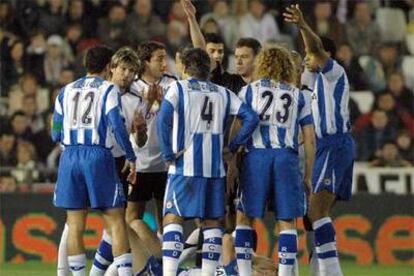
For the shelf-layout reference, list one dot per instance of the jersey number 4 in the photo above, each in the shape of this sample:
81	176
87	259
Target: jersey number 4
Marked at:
85	119
282	114
207	111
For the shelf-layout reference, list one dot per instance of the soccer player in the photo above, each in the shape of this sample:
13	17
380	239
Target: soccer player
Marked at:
86	111
151	168
124	66
272	154
190	128
332	175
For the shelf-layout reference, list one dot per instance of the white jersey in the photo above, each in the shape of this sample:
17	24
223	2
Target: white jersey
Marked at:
130	104
85	103
149	156
282	110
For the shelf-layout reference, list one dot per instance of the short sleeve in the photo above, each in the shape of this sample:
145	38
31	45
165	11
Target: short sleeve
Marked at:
305	116
242	94
235	103
171	94
112	98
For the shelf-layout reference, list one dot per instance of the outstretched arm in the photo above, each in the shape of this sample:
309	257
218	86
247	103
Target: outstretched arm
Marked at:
313	44
197	37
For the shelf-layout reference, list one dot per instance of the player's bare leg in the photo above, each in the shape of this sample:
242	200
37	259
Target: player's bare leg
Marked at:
288	247
244	243
147	236
76	221
135	210
172	244
325	237
115	219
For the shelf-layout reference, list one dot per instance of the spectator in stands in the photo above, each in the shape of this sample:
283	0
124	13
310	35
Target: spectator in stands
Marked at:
13	66
406	146
356	76
177	13
76	16
73	36
7	183
112	29
27	16
143	25
389	58
36	52
26	171
371	139
325	23
258	23
176	37
52	18
67	75
7	148
390	157
226	22
28	86
55	59
20	127
8	21
34	117
403	96
43	141
362	32
210	26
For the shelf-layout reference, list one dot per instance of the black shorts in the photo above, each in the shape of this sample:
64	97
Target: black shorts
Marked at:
119	163
149	186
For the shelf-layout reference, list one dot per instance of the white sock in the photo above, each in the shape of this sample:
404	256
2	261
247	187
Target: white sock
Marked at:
325	247
77	264
172	246
190	246
212	247
112	270
243	245
103	256
62	262
288	249
124	264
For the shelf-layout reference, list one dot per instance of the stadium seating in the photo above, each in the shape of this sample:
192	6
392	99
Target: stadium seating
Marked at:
393	24
364	100
408	70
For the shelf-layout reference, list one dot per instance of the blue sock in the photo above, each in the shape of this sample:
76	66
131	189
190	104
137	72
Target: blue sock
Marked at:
244	249
325	246
103	257
288	248
172	246
213	239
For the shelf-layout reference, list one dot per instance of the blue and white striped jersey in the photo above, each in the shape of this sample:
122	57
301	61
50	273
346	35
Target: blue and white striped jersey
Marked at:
86	111
282	109
192	119
330	100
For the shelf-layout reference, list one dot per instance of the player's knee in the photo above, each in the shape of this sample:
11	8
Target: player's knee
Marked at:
209	223
171	218
243	219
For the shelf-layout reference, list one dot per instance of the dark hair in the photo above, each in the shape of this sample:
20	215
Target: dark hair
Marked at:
146	49
17	113
251	43
213	38
97	58
196	63
329	45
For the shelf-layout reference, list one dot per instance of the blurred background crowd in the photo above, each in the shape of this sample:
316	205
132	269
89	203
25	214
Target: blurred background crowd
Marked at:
43	42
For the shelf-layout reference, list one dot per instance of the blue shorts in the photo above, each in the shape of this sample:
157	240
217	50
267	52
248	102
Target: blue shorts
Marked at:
271	175
334	163
152	267
194	197
87	177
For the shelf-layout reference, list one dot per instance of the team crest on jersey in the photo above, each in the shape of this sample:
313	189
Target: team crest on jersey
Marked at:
327	181
194	86
169	205
314	96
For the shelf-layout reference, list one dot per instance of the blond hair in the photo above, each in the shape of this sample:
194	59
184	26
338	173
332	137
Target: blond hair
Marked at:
126	56
275	63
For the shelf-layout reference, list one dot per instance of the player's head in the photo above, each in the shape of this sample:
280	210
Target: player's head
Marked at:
196	63
124	67
311	61
215	47
179	68
245	53
154	58
275	63
97	60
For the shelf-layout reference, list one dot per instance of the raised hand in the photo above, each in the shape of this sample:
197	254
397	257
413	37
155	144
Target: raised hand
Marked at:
294	15
189	8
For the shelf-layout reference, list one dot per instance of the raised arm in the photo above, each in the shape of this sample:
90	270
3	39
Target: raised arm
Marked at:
197	37
313	44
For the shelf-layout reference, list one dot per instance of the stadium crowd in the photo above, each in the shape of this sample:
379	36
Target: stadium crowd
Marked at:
43	43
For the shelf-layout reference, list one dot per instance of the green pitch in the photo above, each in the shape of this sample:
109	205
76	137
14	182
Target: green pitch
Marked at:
39	269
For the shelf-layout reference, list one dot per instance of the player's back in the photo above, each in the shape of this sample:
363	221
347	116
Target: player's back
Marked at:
199	129
84	104
282	109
